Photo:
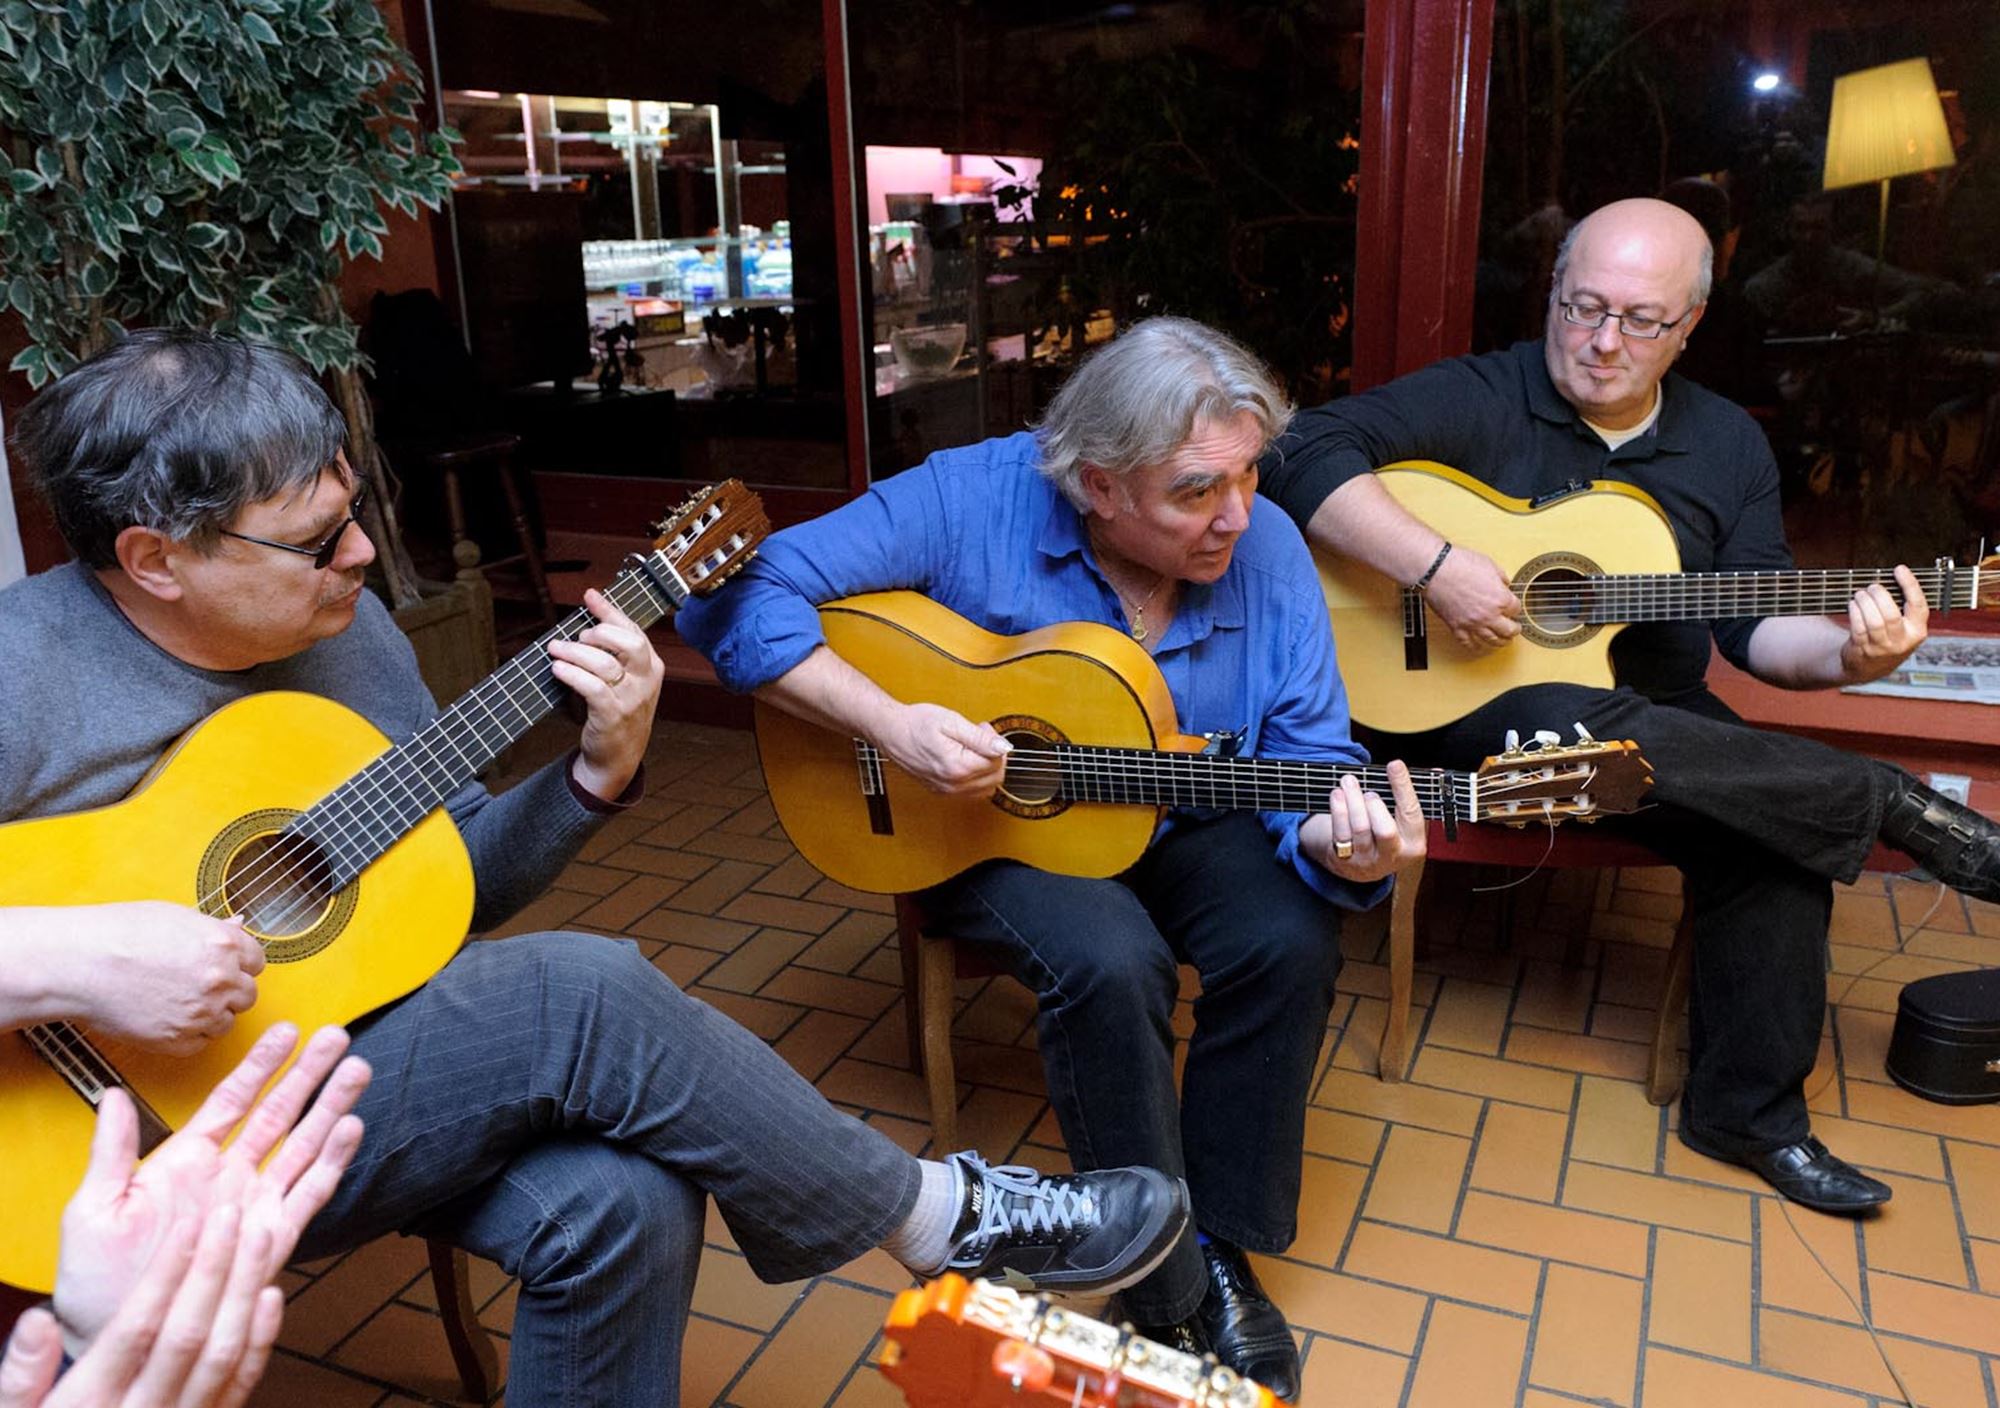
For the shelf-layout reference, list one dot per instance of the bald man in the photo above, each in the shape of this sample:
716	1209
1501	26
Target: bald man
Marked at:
1759	824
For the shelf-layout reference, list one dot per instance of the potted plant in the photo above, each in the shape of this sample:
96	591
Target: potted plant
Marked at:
209	163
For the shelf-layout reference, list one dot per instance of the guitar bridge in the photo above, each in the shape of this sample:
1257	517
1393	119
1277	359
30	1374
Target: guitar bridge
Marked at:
874	787
1416	638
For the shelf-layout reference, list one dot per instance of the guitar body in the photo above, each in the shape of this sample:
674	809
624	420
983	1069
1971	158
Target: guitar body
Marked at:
1611	528
380	938
1089	685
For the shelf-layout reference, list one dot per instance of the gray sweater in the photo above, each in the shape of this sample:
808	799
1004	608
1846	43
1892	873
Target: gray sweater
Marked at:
88	704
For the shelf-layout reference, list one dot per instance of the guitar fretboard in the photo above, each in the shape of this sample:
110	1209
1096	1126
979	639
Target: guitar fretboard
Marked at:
1720	596
1152	777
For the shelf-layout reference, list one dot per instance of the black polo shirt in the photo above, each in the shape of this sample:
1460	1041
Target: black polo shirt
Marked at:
1498	418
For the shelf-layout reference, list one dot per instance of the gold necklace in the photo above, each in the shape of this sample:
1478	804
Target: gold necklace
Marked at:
1137	614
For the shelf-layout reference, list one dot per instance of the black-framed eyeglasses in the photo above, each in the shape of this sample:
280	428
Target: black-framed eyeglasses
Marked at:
1589	315
322	552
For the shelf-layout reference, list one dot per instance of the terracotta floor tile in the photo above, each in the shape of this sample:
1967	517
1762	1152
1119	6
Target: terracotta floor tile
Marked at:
1975	1169
1616	1022
722	885
615	833
1615	1125
803	915
1520	1151
852	938
1892	1105
1555	996
1017	1068
727	1289
872	1087
1501	1080
1372	980
1591	1055
1333	1304
1862	918
867	1388
711	1356
684	825
1003	1010
1587	1335
1787	1274
678	926
658	860
1845	1356
768	1019
914	1136
1986	1265
1443	1267
1682	1162
1469	1016
1360	1042
1683	1381
1329	1194
1418	1179
407	1348
756	960
1338	1135
854	996
551	911
290	1381
753	819
1700	1295
1630	929
485	1279
1864	1043
828	892
1471	1359
996	1120
811	1355
590	879
792	878
1963	948
1692	1208
1341	1375
1880	1147
1916	1234
1631	975
1936	1313
684	964
1557	1234
333	1307
1400	1104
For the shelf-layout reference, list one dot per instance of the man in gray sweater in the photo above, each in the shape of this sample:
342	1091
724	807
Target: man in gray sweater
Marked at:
551	1102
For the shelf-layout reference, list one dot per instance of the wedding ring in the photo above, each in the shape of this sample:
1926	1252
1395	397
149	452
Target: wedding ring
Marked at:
618	678
1343	850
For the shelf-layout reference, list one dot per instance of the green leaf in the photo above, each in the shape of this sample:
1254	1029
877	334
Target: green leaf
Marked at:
201	234
21	295
34	361
24	182
96	279
49	164
259	29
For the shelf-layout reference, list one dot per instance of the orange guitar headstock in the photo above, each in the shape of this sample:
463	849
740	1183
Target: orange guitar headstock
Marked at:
711	536
955	1344
1543	782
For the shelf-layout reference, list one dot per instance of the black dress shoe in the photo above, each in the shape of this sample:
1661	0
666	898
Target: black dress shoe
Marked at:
1953	842
1248	1332
1185	1335
1807	1172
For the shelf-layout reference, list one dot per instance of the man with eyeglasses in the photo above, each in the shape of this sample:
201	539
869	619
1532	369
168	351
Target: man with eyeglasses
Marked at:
1760	824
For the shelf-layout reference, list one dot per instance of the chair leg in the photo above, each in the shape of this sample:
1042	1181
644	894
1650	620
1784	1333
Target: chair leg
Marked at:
471	1348
937	972
1663	1071
537	575
1402	965
909	944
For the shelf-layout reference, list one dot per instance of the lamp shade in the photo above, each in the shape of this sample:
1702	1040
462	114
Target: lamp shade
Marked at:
1887	122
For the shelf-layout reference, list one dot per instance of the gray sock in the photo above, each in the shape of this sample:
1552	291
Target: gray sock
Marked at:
923	1242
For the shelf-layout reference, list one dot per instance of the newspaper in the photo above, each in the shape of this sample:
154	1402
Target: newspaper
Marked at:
1961	668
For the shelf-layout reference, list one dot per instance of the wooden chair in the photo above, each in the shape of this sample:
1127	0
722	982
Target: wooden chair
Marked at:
1574	847
932	962
492	452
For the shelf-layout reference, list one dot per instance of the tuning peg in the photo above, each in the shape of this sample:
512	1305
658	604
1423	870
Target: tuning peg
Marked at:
1547	738
1513	740
1583	735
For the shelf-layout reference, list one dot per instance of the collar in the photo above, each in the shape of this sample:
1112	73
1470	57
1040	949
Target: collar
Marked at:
1669	432
1204	607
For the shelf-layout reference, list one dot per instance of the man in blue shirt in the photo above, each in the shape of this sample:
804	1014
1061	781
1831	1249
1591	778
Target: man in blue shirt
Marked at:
1130	506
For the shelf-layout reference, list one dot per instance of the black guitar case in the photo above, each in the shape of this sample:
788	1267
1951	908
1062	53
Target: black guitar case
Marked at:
1946	1046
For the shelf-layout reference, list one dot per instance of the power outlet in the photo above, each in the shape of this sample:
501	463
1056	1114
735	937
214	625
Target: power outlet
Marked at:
1954	785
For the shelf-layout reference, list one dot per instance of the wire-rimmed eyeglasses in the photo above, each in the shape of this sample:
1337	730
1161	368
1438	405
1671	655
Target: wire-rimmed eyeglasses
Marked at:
321	552
1590	315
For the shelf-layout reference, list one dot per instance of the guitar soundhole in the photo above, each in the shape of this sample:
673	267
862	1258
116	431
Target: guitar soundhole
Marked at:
281	885
1033	779
1557	592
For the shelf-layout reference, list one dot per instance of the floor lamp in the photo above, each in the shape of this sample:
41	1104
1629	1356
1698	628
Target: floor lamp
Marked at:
1887	122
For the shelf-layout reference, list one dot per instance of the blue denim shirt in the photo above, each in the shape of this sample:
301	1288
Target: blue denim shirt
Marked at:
980	530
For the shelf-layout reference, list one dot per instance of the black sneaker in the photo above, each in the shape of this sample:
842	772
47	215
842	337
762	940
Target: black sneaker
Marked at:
1077	1232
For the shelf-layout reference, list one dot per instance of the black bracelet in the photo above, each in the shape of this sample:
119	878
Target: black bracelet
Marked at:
1432	571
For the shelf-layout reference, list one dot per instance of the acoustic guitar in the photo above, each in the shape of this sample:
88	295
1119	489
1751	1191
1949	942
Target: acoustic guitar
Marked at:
1586	561
954	1344
1097	758
294	813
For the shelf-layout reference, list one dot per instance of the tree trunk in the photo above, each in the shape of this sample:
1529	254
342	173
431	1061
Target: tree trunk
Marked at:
380	519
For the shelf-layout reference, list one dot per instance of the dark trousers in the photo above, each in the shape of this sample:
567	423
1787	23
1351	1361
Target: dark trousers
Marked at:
1101	956
1759	825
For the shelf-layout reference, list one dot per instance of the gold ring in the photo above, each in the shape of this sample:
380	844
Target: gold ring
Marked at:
618	678
1343	850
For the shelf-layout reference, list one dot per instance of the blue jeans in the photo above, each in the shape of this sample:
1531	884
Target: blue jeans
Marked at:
1101	957
554	1103
1760	824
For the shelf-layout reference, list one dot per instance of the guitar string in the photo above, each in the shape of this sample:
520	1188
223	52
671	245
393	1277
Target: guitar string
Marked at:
1198	777
404	769
1677	596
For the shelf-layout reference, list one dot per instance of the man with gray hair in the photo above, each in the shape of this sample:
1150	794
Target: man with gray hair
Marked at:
1759	823
1131	507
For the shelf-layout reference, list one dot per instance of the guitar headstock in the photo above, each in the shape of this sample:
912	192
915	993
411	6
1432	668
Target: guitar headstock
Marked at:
1986	594
954	1344
712	535
1543	782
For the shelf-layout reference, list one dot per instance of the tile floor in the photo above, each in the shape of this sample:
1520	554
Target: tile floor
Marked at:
1514	1225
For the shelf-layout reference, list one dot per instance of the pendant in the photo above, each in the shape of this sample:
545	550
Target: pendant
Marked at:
1138	626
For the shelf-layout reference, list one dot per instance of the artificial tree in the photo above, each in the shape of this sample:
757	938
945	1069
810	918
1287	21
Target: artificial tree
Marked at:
208	163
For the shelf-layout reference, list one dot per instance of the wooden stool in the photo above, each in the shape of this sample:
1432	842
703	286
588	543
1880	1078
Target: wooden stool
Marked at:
932	962
490	451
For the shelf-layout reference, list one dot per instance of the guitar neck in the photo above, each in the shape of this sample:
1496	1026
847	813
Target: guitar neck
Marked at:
1157	778
370	812
1720	596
